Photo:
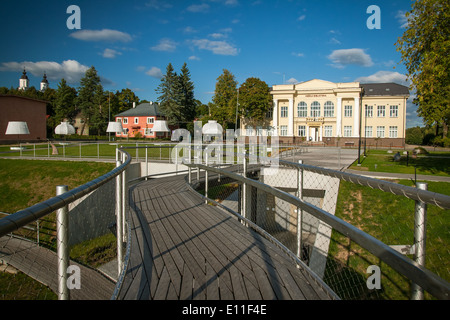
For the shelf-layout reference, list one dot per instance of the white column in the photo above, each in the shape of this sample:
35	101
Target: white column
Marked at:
291	118
339	117
356	118
307	133
275	117
320	133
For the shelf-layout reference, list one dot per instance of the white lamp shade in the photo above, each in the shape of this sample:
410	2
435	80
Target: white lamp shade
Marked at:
64	128
114	127
160	126
212	128
17	127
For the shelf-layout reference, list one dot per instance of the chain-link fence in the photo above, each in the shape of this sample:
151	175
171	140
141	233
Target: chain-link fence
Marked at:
366	238
67	247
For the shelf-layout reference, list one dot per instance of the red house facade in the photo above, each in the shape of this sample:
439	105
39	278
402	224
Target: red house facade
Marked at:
139	121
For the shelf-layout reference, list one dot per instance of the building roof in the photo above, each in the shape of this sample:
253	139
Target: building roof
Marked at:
24	75
44	79
384	89
142	110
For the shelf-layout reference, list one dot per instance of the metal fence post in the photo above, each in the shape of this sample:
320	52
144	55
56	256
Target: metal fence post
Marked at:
62	226
299	210
124	197
244	186
420	232
119	219
206	178
146	162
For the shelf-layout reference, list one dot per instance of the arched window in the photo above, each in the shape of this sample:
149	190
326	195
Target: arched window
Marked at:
302	110
315	109
328	109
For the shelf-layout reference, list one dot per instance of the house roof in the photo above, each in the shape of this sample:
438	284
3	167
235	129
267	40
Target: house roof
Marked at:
142	110
384	89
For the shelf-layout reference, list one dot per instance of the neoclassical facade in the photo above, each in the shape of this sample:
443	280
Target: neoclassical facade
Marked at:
338	114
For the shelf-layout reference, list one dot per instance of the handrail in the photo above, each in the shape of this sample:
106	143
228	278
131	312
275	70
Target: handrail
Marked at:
37	211
419	275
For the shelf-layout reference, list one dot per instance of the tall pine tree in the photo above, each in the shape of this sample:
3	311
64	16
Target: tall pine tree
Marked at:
89	97
187	100
170	96
225	99
65	107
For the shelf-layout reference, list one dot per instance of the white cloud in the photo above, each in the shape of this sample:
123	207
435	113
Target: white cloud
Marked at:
292	81
231	2
217	35
158	5
204	7
154	72
334	41
301	18
355	56
298	54
402	19
189	29
194	58
165	45
385	76
110	53
101	35
217	47
71	70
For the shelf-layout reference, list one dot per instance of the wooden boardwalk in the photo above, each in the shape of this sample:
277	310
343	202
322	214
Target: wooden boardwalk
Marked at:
183	249
41	264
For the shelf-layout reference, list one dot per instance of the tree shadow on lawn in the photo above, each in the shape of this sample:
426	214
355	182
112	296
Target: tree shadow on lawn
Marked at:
426	165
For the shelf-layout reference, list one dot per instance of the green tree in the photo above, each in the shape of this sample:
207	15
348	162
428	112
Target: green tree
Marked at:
169	96
424	47
89	97
65	106
225	99
187	100
254	101
126	97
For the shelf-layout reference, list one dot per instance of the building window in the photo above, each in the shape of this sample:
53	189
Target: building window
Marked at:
368	132
347	131
136	120
150	120
283	130
328	109
393	112
348	111
369	111
249	130
328	131
380	131
125	120
392	131
315	109
269	114
269	131
259	131
302	110
148	132
284	112
381	111
302	131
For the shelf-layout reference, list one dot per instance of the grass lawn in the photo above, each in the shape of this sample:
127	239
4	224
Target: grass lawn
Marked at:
435	163
389	218
26	182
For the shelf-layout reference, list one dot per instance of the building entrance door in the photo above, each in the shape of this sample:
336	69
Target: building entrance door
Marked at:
314	134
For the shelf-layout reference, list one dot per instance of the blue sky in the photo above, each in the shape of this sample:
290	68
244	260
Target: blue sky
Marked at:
130	43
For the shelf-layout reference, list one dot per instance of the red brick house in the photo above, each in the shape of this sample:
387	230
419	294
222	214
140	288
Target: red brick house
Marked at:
140	120
18	108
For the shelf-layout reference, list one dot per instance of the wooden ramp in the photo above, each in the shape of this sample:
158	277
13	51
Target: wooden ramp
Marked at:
183	249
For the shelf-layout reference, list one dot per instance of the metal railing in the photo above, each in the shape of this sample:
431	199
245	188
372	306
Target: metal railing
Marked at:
253	206
60	204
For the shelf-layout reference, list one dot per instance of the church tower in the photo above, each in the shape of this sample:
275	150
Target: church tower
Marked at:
44	83
23	82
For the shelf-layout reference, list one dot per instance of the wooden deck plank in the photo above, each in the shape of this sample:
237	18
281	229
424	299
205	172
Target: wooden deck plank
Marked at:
205	253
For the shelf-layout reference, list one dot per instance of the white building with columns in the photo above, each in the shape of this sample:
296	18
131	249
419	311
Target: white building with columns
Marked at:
338	114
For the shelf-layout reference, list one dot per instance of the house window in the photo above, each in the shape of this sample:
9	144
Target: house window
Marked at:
380	131
259	131
381	111
269	114
328	131
369	111
283	130
347	131
148	132
249	130
284	112
136	120
302	110
368	132
315	109
348	111
302	131
150	120
125	120
328	109
392	131
393	112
